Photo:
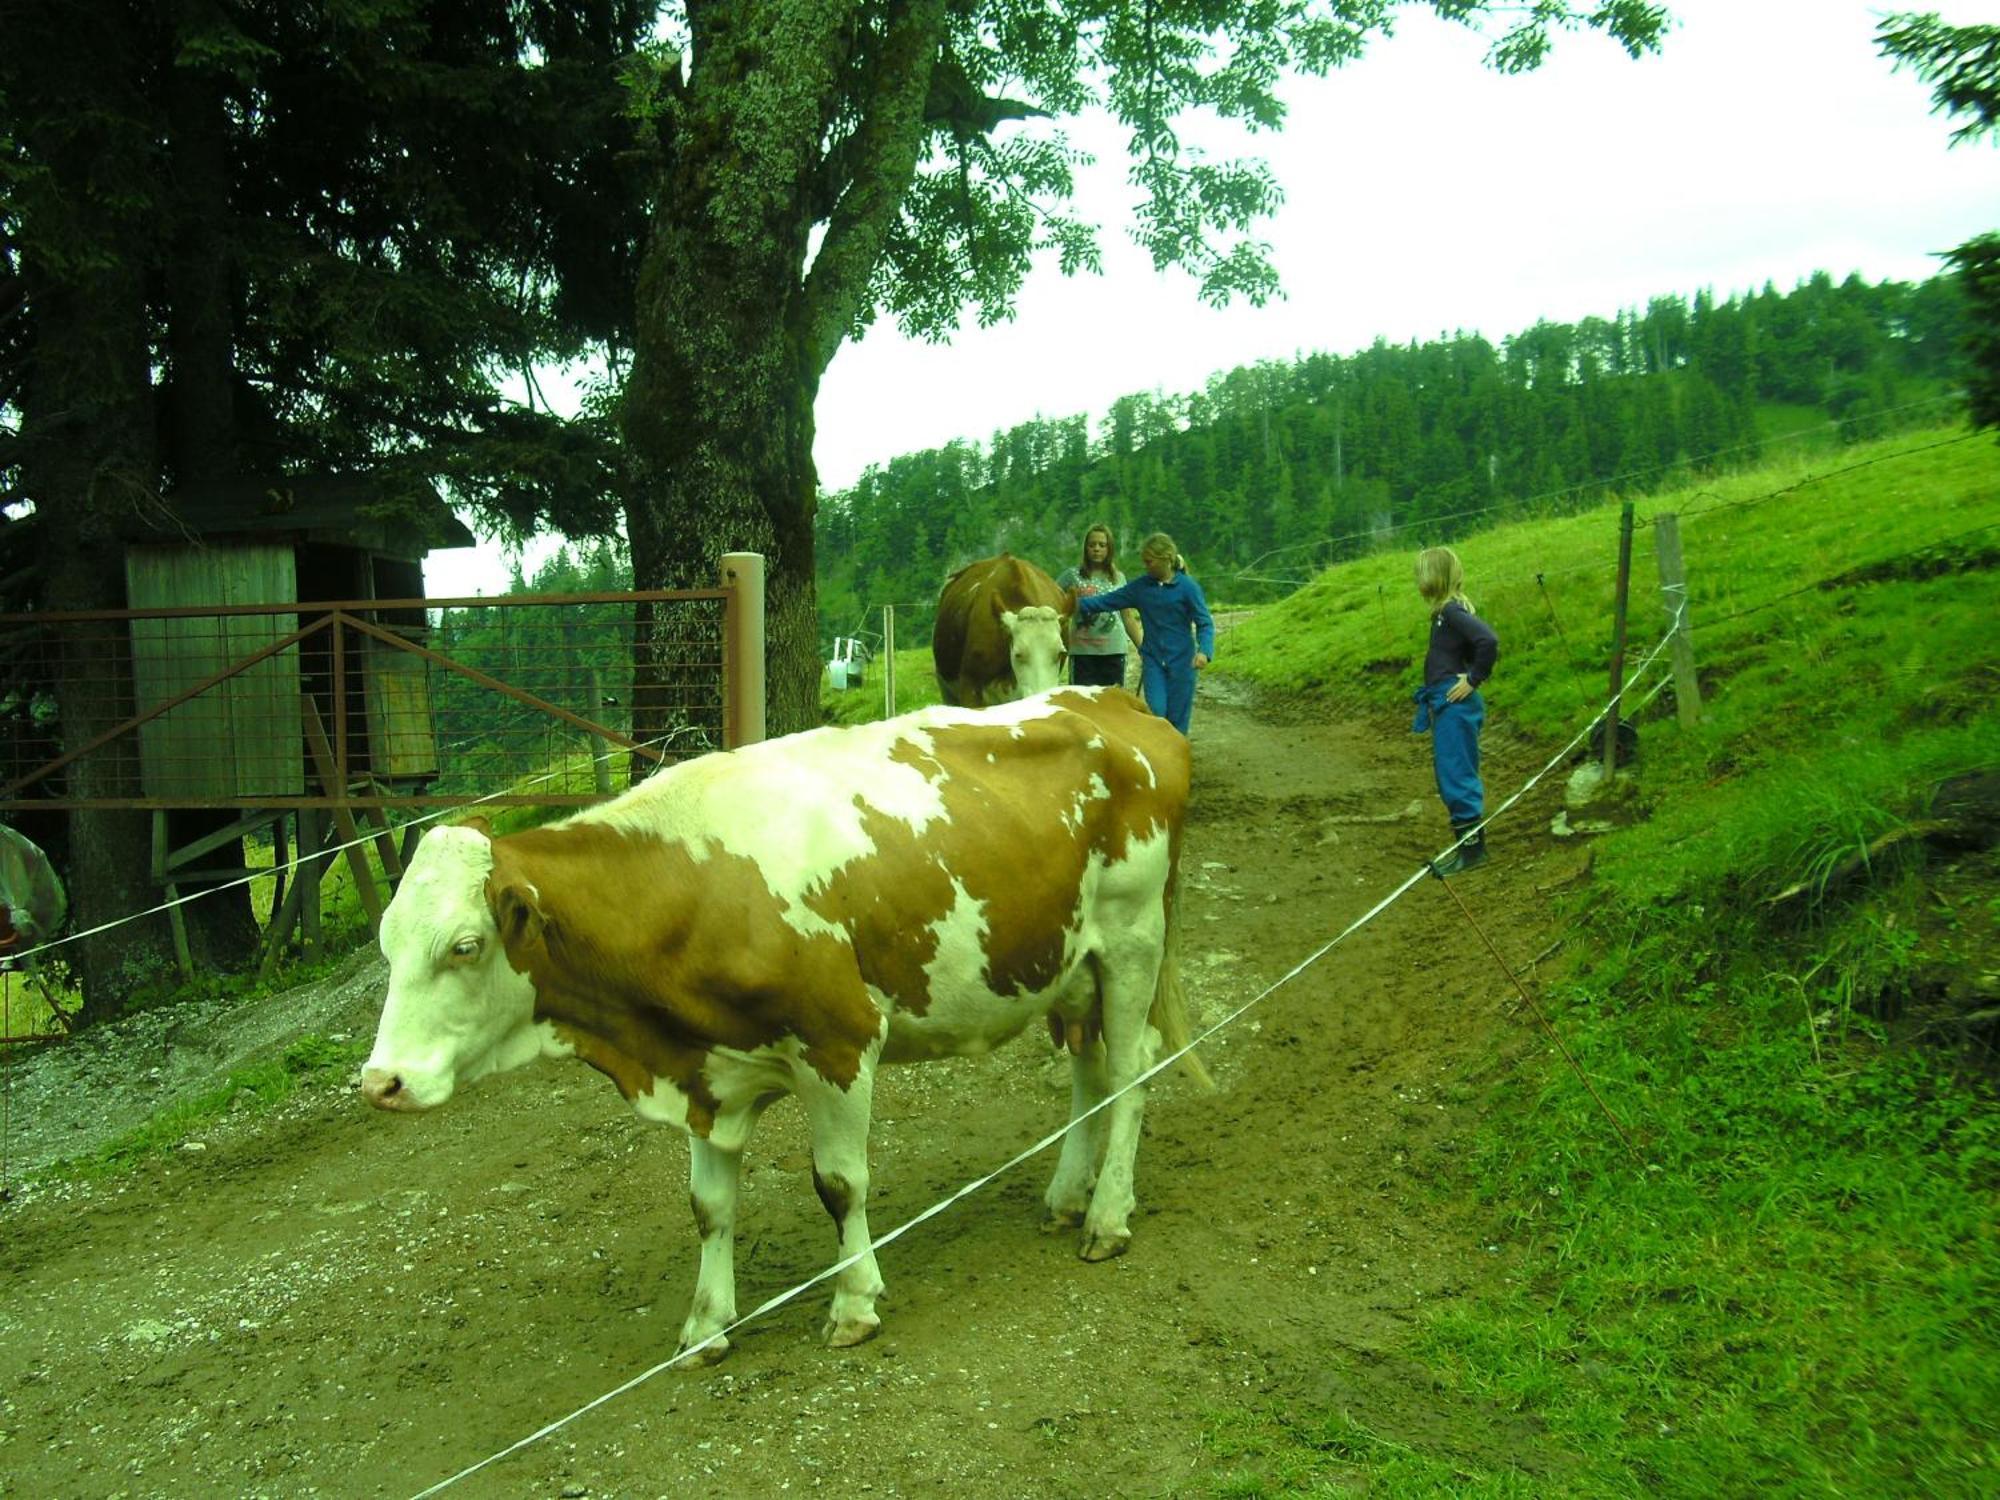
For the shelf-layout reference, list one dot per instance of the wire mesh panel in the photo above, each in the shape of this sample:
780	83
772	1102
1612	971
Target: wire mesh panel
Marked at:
570	703
532	699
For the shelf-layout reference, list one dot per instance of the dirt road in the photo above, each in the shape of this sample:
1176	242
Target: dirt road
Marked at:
328	1301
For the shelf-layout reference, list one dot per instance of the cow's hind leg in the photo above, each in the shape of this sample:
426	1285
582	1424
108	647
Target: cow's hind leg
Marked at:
1128	974
1068	1196
839	1121
712	1182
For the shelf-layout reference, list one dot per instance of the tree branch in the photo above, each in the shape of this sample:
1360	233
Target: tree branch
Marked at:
884	151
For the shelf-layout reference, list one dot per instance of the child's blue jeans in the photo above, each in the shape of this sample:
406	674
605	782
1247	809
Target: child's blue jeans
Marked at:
1454	730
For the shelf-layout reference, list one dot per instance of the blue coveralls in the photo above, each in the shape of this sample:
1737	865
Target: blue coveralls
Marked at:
1166	658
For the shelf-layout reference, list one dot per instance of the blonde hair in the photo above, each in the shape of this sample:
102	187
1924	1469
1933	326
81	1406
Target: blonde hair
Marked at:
1159	544
1441	578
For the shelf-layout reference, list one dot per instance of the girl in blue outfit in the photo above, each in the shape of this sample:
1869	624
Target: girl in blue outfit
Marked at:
1179	633
1462	651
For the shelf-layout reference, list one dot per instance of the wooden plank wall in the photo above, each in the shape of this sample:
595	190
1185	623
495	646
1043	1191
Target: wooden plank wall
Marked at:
242	737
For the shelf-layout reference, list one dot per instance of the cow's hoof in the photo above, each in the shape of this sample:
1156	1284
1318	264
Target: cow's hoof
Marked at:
1060	1219
845	1334
708	1354
1104	1246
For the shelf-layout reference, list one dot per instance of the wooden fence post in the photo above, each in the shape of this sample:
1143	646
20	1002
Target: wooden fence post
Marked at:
1674	595
888	661
743	649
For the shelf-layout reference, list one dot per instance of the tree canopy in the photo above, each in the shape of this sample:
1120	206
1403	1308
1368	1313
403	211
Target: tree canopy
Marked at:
256	239
1962	65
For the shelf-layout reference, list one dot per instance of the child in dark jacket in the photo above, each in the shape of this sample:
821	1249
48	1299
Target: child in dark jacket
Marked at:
1462	651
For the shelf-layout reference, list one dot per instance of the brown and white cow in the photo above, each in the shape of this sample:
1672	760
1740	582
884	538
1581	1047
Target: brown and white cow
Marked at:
1000	632
784	917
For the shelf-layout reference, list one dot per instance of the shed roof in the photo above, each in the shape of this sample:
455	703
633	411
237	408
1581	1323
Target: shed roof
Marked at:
353	510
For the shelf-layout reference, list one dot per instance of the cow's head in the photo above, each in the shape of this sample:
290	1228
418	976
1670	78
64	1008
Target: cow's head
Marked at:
1035	648
456	1010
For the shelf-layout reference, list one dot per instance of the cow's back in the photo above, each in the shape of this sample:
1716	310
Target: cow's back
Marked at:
969	924
949	851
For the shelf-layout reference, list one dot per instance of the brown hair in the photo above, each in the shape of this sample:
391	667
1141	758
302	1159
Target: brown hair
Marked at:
1083	568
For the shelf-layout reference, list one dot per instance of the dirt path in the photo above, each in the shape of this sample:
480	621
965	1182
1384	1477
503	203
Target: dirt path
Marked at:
326	1301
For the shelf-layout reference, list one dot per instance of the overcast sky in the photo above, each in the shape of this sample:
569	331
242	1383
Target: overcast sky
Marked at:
1426	194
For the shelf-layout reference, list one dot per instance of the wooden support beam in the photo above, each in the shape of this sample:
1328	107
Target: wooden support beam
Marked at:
343	818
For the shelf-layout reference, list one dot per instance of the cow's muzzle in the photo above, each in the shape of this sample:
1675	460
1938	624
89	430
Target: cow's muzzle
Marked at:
383	1088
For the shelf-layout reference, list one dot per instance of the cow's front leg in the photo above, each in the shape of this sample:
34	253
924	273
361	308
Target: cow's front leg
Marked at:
839	1122
712	1181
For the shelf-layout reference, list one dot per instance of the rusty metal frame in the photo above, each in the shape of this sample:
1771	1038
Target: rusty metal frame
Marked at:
339	615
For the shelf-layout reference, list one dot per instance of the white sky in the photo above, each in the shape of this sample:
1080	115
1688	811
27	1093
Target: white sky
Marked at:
1426	194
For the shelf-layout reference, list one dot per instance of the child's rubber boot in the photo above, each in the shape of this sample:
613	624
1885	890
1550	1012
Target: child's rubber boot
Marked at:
1470	854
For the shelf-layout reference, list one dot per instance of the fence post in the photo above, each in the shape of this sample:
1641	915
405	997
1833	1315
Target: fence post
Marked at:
743	649
1612	723
888	661
1680	646
599	750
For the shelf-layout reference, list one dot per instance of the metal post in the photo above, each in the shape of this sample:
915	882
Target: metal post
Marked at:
888	661
743	649
599	749
1674	595
1618	642
339	769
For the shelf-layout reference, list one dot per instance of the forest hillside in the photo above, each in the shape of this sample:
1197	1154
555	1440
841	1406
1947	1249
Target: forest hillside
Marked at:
1274	468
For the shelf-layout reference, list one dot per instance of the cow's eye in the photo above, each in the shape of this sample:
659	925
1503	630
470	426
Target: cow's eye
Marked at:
465	948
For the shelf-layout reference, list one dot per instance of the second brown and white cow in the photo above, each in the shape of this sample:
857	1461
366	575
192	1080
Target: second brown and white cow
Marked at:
784	917
1000	632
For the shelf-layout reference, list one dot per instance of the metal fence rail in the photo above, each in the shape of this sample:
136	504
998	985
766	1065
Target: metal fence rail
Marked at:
367	703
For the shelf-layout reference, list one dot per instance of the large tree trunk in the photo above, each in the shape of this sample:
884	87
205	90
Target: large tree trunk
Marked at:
87	426
724	464
733	334
200	433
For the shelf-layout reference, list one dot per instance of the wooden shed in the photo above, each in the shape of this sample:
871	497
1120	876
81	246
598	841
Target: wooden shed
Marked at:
280	542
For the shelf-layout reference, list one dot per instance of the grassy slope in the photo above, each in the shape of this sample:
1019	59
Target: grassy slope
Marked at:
1797	1294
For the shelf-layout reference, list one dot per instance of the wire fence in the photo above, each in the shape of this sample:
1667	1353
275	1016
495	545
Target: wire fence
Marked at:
367	703
1276	566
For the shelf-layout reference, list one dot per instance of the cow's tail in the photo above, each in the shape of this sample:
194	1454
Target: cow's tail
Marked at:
1169	1013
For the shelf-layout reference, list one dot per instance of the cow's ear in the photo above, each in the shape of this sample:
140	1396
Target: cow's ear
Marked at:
515	912
478	824
1007	619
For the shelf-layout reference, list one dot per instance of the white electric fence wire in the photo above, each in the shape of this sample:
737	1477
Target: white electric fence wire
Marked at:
328	851
772	1304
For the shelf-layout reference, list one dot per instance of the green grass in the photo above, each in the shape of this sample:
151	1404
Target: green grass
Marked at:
916	687
1797	1291
1260	1452
309	1061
